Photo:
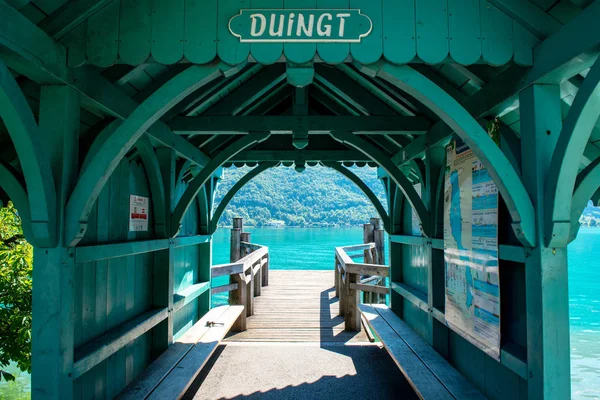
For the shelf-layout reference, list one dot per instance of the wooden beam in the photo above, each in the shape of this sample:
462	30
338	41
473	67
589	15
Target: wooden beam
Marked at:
300	155
574	136
93	353
263	166
68	16
205	174
288	124
189	294
11	183
114	250
529	15
155	181
183	241
365	189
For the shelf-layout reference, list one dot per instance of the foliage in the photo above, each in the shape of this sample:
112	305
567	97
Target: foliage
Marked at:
318	196
16	257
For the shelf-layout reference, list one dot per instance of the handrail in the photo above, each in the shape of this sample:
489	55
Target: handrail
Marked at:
247	276
349	281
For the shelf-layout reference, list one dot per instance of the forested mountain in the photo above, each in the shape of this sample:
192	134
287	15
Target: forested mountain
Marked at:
319	196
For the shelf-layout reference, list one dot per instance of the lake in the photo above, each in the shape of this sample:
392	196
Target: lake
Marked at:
313	248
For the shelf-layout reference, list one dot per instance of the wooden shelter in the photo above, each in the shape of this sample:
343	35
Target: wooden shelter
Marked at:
101	100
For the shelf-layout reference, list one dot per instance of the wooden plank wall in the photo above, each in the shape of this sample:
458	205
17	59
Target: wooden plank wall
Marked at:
113	291
496	380
431	31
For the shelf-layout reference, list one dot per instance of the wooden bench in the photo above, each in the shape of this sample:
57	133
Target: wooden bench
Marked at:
430	375
172	373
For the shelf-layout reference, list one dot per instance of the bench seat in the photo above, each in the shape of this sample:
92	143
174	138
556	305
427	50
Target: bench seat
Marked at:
171	374
430	375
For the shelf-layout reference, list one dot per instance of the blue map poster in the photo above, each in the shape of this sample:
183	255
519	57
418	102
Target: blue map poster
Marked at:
471	250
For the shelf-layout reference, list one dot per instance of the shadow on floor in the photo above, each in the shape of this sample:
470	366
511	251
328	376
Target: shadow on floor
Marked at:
300	372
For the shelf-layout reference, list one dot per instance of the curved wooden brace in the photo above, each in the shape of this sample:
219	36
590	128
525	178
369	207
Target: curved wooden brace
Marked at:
157	188
12	185
261	167
454	115
393	171
100	168
35	163
99	141
204	207
587	184
213	165
574	136
365	189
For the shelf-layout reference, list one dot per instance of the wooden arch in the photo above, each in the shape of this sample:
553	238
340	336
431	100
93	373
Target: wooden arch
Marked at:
93	178
586	185
365	189
460	121
560	182
35	163
213	165
18	195
155	181
393	171
261	167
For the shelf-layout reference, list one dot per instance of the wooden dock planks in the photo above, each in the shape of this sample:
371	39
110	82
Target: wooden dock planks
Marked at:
297	306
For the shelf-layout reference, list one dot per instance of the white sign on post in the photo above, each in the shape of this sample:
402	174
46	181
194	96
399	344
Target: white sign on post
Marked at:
138	213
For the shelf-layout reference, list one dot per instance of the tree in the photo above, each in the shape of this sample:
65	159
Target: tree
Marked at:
16	258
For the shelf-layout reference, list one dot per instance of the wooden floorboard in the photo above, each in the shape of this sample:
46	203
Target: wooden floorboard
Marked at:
297	306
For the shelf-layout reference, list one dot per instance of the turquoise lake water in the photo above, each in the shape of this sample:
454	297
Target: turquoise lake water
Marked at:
300	248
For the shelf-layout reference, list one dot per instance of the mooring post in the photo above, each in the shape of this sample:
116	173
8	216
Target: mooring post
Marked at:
378	239
244	250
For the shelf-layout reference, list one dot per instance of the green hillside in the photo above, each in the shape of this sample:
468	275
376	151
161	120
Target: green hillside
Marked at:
319	196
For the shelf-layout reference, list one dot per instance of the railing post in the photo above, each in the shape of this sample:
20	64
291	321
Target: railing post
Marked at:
236	232
343	281
265	271
239	297
336	277
368	230
378	238
244	237
352	318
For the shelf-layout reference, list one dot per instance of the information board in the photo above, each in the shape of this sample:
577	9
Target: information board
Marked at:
471	249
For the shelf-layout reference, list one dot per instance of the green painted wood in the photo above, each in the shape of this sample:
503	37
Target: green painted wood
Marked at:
452	113
546	270
299	53
189	294
370	49
432	30
365	189
350	156
229	49
183	241
266	53
135	31
398	177
399	31
263	166
200	45
574	135
167	30
496	33
196	184
163	135
465	31
523	42
69	16
114	250
157	189
27	139
333	53
12	185
124	137
103	35
100	349
587	184
534	18
76	43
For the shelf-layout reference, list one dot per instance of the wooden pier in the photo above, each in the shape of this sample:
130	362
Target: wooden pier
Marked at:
287	311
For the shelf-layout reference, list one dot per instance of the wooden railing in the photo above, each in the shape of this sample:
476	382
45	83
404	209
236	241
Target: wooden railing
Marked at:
248	272
349	280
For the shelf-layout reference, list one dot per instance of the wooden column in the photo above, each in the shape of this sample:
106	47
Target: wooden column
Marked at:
164	263
547	300
53	335
236	231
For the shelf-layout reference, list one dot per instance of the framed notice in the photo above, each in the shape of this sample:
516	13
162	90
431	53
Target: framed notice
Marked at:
138	213
471	250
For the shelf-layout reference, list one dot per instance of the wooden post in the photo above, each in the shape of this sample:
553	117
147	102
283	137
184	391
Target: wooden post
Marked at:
53	335
368	238
238	297
244	251
378	238
336	275
546	272
352	318
342	299
234	248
